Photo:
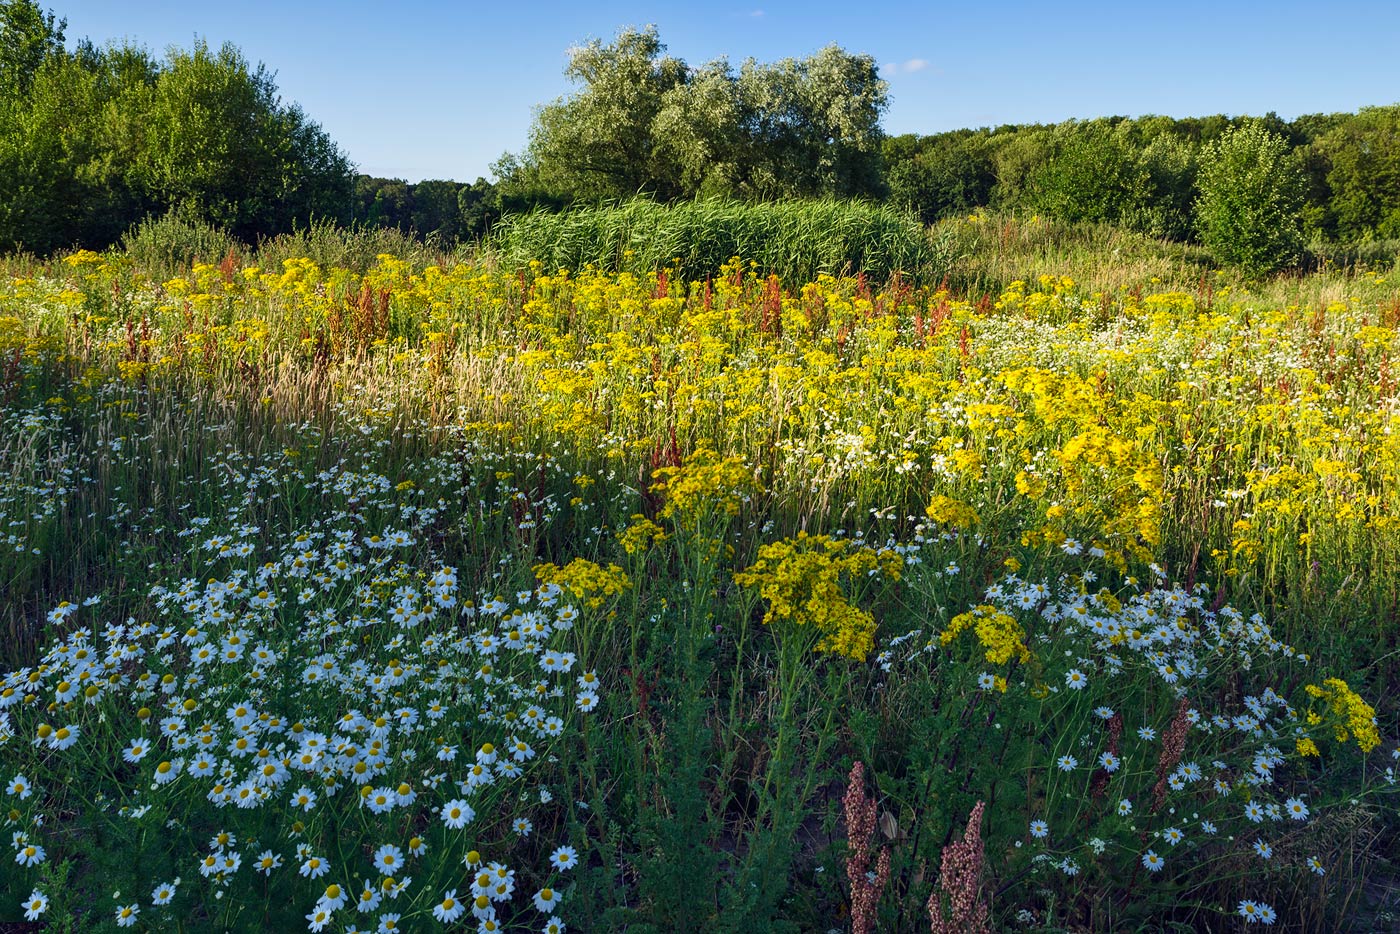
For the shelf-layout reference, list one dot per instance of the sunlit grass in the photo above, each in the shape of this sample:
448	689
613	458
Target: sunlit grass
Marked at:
787	523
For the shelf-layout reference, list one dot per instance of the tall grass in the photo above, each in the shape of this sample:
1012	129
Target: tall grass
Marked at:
990	251
795	240
167	246
355	247
1368	254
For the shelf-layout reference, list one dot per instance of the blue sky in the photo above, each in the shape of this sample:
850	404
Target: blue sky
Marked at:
417	89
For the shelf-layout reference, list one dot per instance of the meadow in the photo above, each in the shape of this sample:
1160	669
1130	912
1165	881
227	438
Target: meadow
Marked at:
1048	585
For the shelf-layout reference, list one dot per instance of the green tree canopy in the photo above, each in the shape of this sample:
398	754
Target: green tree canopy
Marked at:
478	207
1091	173
435	209
598	143
222	146
951	173
1363	158
68	149
645	122
813	125
93	140
1251	193
28	36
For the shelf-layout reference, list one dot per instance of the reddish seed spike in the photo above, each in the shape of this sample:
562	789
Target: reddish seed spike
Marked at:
959	883
860	825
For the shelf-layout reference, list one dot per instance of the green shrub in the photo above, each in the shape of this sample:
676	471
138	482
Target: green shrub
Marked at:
1248	212
1168	166
168	245
1092	174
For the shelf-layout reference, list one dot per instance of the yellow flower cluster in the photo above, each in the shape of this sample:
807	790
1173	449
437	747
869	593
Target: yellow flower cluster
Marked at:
1000	635
704	483
802	578
1355	717
1231	426
590	583
951	513
640	535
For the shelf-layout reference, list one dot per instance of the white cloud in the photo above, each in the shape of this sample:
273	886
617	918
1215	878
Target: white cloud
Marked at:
905	68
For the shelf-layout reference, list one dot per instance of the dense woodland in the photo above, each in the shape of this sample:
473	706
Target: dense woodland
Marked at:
95	138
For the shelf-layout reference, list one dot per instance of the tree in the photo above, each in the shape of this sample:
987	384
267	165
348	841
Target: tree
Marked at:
645	122
383	202
942	175
222	146
62	179
93	141
699	133
479	207
813	125
313	178
1363	159
36	190
1168	165
435	210
1017	154
1251	192
28	37
36	177
1091	174
598	143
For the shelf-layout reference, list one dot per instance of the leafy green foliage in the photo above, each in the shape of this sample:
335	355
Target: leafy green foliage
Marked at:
442	209
97	139
643	122
65	166
1142	173
1363	154
478	208
28	36
952	174
1251	193
793	239
1091	174
219	142
383	202
435	211
1167	167
814	125
599	143
94	140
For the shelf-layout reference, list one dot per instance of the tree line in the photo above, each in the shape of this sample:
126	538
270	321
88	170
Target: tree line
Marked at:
1144	173
94	139
441	208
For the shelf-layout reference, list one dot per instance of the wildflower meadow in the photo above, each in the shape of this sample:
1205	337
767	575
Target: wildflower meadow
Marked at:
469	593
